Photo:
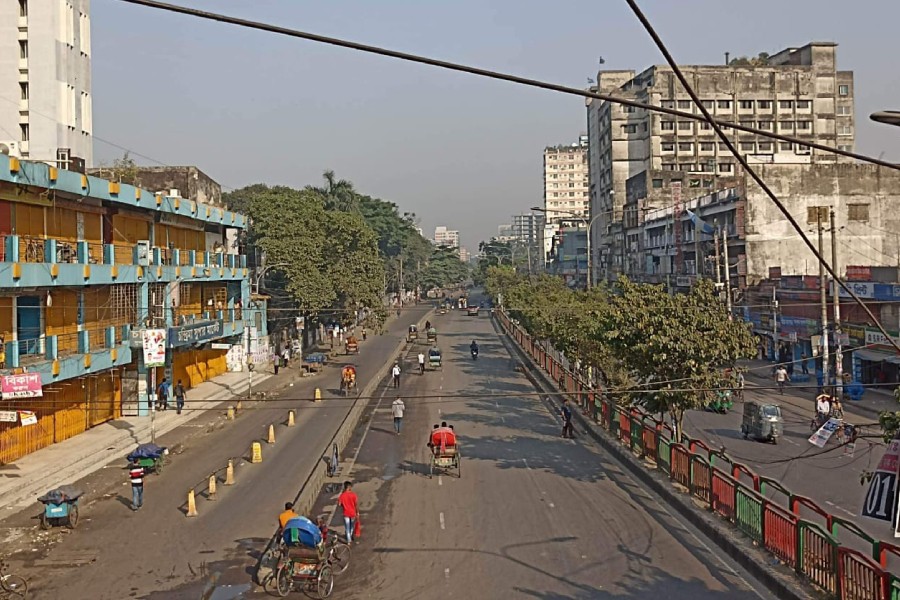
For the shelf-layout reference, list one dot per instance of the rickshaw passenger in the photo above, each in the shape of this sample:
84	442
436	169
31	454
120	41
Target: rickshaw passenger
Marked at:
443	438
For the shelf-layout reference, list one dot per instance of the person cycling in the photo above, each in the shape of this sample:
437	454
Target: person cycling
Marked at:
421	363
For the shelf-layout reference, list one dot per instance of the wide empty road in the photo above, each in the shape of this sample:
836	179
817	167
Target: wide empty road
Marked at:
532	516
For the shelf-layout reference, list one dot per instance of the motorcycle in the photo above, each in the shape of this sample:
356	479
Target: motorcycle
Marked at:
474	353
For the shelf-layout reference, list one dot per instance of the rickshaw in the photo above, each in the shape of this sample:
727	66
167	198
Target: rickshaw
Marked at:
761	421
472	311
445	454
149	456
431	336
348	379
304	562
60	507
351	346
434	358
413	333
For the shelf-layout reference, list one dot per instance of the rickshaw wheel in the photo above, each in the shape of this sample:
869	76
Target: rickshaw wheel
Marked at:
283	580
431	468
158	465
73	516
45	521
340	557
325	582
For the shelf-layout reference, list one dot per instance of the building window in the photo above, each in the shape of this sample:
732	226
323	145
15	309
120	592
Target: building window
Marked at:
816	214
668	166
845	147
843	110
723	147
643	126
657	183
23	8
704	126
802	104
725	167
765	146
805	125
786	126
858	212
667	104
667	125
685	147
785	104
23	49
843	90
23	90
764	104
746	104
802	149
684	104
723	104
685	126
630	128
844	130
785	146
628	109
748	146
668	147
707	146
24	131
686	166
765	125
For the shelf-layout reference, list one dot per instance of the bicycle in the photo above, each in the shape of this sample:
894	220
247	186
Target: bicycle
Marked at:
12	587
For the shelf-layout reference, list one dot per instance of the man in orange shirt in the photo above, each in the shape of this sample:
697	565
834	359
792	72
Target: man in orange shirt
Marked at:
287	515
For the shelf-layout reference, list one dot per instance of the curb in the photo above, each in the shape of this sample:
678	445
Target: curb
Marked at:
786	585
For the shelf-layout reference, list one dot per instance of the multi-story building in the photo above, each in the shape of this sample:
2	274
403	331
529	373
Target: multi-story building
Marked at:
565	181
45	81
568	254
464	254
797	92
446	237
526	228
87	265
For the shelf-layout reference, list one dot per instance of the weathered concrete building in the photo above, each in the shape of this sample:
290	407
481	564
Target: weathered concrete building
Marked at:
797	92
188	182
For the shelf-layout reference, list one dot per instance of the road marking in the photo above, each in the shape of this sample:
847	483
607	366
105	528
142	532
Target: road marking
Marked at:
442	521
447	573
552	505
439	411
526	464
830	503
440	481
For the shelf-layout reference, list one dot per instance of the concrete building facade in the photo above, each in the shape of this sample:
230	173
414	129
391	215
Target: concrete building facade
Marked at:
446	237
566	181
45	81
797	92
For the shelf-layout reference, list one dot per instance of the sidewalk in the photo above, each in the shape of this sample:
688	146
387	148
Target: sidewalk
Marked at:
33	475
874	401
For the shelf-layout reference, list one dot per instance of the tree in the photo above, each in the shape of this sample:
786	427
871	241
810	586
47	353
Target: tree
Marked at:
761	60
338	194
354	267
443	269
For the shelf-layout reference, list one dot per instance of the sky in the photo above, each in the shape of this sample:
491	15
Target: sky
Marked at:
457	150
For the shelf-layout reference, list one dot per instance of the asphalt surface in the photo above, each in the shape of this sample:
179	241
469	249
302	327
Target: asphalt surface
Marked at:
829	475
531	516
158	552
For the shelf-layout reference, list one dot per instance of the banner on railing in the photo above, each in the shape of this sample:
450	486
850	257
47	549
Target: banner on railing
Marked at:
881	496
26	385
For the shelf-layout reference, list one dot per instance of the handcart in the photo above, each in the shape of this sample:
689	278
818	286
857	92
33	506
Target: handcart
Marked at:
149	456
60	507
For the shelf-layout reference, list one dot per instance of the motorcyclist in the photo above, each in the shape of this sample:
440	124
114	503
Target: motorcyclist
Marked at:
474	347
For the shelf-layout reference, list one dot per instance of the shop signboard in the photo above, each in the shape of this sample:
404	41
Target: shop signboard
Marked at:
881	497
28	417
195	333
863	289
25	385
859	273
876	338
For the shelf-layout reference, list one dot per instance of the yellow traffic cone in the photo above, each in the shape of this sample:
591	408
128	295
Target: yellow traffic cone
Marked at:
290	418
229	473
192	505
271	439
211	493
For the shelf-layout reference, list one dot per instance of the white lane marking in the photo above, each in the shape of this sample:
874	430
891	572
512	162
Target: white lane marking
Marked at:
789	441
552	505
440	481
830	503
526	464
439	411
502	420
442	521
447	573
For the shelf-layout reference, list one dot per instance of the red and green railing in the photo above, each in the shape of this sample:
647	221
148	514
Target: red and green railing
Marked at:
832	553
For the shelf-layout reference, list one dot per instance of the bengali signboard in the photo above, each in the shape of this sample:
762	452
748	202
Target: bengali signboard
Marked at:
8	416
859	273
28	417
195	333
154	345
26	385
881	497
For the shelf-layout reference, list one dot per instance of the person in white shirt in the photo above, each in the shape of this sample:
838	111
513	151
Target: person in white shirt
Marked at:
421	363
781	377
395	374
397	408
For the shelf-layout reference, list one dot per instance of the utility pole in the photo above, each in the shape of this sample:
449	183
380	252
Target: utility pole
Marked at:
835	288
775	323
727	271
718	265
400	285
824	300
697	259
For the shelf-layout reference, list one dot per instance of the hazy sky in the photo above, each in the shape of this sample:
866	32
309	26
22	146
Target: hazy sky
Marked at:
457	150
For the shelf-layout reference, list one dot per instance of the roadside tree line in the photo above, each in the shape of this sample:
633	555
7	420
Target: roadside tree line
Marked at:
645	347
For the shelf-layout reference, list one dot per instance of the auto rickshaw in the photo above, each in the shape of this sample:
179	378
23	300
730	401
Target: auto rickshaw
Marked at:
434	358
413	333
762	421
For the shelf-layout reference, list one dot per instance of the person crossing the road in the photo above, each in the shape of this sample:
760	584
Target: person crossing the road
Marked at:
397	408
421	363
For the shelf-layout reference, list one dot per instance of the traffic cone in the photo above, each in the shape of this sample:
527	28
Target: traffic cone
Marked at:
211	491
290	418
271	438
192	505
229	473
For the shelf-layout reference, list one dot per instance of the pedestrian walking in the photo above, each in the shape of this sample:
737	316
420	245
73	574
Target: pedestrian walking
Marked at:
421	363
397	408
804	363
162	395
179	396
567	430
781	377
286	356
348	503
275	363
136	475
395	374
364	333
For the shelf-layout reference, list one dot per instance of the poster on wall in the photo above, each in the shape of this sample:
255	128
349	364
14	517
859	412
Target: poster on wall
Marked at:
25	385
154	343
28	417
8	416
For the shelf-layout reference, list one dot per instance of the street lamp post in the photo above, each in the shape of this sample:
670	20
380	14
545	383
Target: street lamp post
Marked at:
588	224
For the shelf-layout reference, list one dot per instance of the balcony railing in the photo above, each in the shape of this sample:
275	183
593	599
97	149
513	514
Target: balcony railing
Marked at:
52	347
31	249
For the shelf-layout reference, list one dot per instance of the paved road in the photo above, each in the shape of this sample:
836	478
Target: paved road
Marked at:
532	516
158	553
832	478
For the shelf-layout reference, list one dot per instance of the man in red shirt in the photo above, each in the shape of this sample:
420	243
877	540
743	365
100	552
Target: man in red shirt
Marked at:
347	501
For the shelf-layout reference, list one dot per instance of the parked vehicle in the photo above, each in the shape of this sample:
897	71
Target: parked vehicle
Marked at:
762	421
60	507
149	456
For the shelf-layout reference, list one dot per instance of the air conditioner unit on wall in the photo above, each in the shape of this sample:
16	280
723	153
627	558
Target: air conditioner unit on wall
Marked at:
10	148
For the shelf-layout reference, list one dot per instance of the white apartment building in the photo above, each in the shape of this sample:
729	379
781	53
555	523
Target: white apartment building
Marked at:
446	237
464	255
45	81
566	181
797	92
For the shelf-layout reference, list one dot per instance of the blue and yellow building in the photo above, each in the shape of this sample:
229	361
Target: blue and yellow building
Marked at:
85	264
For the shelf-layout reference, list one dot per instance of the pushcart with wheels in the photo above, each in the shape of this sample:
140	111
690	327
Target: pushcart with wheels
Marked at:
60	507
